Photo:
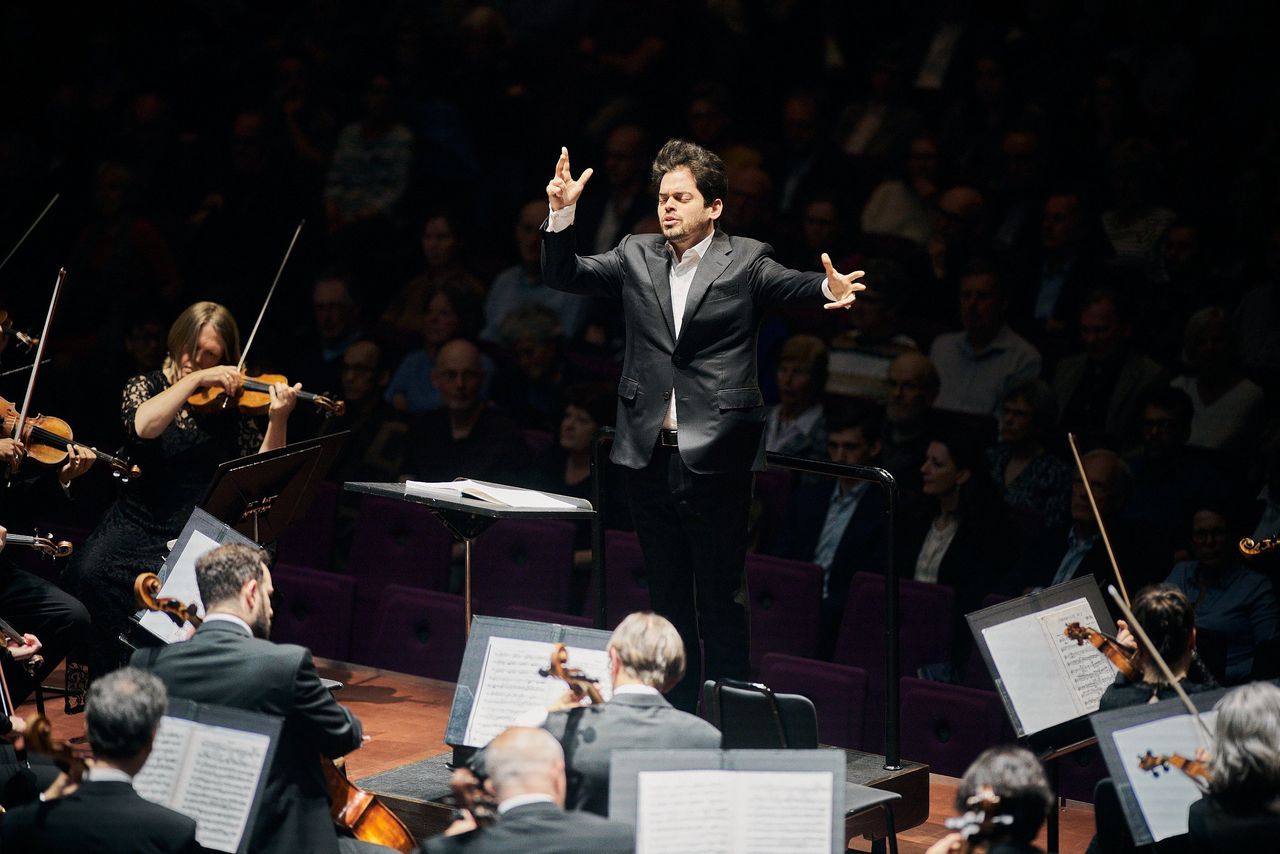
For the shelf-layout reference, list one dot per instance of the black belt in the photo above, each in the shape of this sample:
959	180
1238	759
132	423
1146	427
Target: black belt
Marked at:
667	438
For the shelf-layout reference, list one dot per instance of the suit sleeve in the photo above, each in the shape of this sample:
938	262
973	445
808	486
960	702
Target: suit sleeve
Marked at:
563	269
773	283
336	730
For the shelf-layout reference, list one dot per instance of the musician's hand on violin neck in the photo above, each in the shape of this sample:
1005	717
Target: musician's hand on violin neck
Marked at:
79	461
283	398
4	536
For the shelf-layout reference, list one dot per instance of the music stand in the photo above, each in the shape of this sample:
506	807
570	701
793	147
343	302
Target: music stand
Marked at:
263	494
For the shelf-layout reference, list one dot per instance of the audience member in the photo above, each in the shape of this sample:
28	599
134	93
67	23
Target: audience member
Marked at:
796	425
533	372
979	363
606	217
860	356
1031	478
913	387
1136	223
375	447
369	170
1099	390
453	312
409	309
1227	406
899	207
316	362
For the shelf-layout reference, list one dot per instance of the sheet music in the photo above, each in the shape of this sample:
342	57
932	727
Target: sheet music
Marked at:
509	684
209	773
1047	681
180	585
524	499
757	812
1164	800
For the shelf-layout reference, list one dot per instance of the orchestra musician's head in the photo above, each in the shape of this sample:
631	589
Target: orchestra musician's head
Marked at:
1244	764
204	335
1166	615
646	649
525	761
1016	777
122	712
234	579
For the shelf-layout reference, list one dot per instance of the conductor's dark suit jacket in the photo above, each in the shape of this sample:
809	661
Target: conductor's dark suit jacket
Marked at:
223	664
590	734
540	828
711	366
105	817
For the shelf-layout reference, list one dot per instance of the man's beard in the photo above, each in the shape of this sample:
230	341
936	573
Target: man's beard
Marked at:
261	625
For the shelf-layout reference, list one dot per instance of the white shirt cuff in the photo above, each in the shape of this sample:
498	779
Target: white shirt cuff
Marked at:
560	220
826	290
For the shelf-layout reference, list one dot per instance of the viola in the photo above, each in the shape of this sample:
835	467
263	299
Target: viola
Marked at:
146	591
39	739
579	682
255	397
46	438
1124	659
1196	769
358	811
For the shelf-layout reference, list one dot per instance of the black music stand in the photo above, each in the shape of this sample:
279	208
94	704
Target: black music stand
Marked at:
261	495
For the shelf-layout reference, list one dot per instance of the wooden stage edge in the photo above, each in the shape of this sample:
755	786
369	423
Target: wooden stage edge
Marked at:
405	717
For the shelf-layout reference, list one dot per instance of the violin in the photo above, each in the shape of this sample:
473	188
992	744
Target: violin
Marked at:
1124	659
39	739
46	545
1196	769
359	812
469	793
1249	547
579	682
46	439
255	397
28	342
146	591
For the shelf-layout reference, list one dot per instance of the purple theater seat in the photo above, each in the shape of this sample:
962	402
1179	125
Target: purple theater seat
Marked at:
313	608
785	597
398	542
414	631
838	692
625	580
772	486
538	615
309	541
523	562
947	726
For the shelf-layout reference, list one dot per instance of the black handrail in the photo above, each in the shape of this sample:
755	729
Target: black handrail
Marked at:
892	724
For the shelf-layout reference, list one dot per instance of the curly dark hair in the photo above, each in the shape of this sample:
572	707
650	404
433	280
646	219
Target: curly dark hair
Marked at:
706	167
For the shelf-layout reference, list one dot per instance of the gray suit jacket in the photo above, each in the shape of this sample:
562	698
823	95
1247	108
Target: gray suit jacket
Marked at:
540	829
1138	373
711	365
590	734
222	664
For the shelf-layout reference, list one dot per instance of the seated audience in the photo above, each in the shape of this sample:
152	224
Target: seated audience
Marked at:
1228	597
104	813
1015	777
1242	810
1030	478
403	320
468	437
531	375
796	425
1227	406
525	771
860	357
452	311
908	417
977	364
375	447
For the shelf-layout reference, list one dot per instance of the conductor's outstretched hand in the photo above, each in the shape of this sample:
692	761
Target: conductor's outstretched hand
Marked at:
843	286
564	189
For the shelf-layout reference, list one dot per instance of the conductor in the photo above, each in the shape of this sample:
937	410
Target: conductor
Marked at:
690	426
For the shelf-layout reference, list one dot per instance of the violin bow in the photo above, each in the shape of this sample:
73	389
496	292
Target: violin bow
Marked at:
1151	650
27	233
38	361
244	354
13	371
1097	515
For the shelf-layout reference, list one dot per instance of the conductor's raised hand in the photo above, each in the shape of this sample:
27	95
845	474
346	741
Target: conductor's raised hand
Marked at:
844	286
563	189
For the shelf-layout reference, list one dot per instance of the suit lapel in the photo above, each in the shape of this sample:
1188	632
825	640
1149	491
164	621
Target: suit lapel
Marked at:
709	269
659	271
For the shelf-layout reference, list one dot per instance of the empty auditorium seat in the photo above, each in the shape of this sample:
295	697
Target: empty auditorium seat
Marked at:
313	608
414	631
785	597
947	726
523	562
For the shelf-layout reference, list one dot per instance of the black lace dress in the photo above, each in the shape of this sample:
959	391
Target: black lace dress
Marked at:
151	510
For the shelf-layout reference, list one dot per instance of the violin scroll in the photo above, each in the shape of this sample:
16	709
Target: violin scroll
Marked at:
49	547
579	682
1123	659
146	590
1196	769
1250	547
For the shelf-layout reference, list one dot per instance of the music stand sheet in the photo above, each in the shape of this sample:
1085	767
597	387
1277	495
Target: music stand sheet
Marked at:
1154	804
1045	679
729	801
499	682
201	534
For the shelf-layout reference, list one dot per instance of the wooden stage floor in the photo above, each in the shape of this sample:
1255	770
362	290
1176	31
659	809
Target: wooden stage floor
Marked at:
405	718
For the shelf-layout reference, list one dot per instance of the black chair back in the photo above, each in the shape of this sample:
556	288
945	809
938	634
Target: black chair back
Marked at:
749	715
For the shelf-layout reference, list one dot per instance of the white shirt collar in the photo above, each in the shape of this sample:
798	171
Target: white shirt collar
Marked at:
694	253
228	618
635	688
521	800
107	775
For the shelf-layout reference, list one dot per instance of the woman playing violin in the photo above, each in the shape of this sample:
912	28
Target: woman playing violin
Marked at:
179	449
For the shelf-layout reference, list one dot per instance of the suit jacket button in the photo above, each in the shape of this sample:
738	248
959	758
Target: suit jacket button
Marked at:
679	361
666	395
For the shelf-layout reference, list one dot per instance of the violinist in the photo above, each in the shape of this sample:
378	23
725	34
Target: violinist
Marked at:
1006	798
101	812
1242	810
179	449
230	661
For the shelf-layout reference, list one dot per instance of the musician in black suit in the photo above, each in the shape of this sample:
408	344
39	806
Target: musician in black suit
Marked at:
229	661
104	815
526	775
690	425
